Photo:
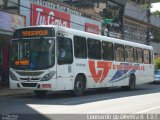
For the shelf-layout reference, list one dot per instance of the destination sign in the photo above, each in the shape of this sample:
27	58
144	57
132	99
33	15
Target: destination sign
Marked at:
34	32
22	62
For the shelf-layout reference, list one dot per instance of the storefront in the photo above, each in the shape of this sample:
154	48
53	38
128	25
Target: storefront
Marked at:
8	22
4	57
47	13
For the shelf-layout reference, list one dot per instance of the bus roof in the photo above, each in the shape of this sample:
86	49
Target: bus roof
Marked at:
94	36
100	37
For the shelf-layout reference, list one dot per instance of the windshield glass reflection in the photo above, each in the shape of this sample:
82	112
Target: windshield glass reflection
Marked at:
33	54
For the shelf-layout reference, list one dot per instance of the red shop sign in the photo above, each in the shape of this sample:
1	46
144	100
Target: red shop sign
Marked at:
41	15
91	28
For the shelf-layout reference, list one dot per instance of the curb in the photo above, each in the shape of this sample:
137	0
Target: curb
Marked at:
11	92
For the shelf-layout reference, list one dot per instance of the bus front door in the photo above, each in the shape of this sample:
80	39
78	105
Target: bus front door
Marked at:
64	63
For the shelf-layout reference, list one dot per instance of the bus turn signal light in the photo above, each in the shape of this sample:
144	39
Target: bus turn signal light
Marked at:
46	85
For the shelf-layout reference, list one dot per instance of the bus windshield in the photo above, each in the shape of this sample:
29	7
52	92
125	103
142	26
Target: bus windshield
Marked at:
33	53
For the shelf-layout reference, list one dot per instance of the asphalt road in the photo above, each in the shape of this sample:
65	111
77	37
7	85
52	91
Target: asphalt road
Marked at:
145	99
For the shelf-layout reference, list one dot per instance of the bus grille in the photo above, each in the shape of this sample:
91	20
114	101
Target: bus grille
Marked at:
36	79
29	84
26	73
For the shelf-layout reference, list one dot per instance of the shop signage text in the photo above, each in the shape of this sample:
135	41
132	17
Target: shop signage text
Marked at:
45	16
91	28
56	6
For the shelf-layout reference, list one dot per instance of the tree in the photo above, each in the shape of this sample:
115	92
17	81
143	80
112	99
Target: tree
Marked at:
157	63
156	13
156	35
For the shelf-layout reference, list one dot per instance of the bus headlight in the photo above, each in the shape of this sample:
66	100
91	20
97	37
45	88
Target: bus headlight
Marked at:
13	76
48	76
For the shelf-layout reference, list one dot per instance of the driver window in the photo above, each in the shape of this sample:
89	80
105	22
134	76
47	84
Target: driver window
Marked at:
65	54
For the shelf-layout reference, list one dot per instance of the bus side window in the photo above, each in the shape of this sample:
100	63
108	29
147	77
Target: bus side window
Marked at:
138	55
94	49
146	56
107	50
80	48
119	52
150	56
129	53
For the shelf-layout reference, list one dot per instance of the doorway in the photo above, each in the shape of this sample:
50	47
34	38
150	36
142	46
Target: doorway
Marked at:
1	61
4	59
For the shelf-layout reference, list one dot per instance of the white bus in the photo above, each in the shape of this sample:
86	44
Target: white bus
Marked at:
54	58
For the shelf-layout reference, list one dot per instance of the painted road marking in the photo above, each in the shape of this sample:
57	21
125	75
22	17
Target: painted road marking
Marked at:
147	110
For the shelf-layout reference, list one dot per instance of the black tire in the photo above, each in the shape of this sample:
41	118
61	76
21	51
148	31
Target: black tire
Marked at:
40	93
132	83
79	86
124	88
102	90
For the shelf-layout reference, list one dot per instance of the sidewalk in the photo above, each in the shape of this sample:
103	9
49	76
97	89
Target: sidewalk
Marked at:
9	92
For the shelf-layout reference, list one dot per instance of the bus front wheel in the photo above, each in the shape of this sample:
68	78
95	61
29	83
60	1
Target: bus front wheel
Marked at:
79	86
40	93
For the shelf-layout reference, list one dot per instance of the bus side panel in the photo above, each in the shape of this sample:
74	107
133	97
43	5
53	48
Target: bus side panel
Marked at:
120	77
81	68
99	74
65	77
96	76
123	71
148	73
139	74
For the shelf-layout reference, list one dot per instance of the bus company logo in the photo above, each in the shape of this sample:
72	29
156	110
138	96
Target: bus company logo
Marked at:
99	70
28	79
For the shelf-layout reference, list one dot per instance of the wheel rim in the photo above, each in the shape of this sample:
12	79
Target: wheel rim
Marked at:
132	85
79	86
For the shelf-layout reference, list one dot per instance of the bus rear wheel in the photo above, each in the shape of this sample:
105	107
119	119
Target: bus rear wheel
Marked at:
132	83
40	93
79	86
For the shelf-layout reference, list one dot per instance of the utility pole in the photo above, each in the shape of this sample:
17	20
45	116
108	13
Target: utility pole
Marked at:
148	23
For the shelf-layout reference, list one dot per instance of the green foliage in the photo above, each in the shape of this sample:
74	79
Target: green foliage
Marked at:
144	7
156	35
157	63
156	13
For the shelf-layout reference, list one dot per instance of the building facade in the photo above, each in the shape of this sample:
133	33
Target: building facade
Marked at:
8	22
47	13
135	25
122	18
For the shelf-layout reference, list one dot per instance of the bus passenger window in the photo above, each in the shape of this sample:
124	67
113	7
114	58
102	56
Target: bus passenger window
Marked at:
107	48
138	55
80	49
94	49
129	54
119	52
150	56
146	56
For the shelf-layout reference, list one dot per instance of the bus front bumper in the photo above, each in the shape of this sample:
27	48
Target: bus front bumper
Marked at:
47	85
